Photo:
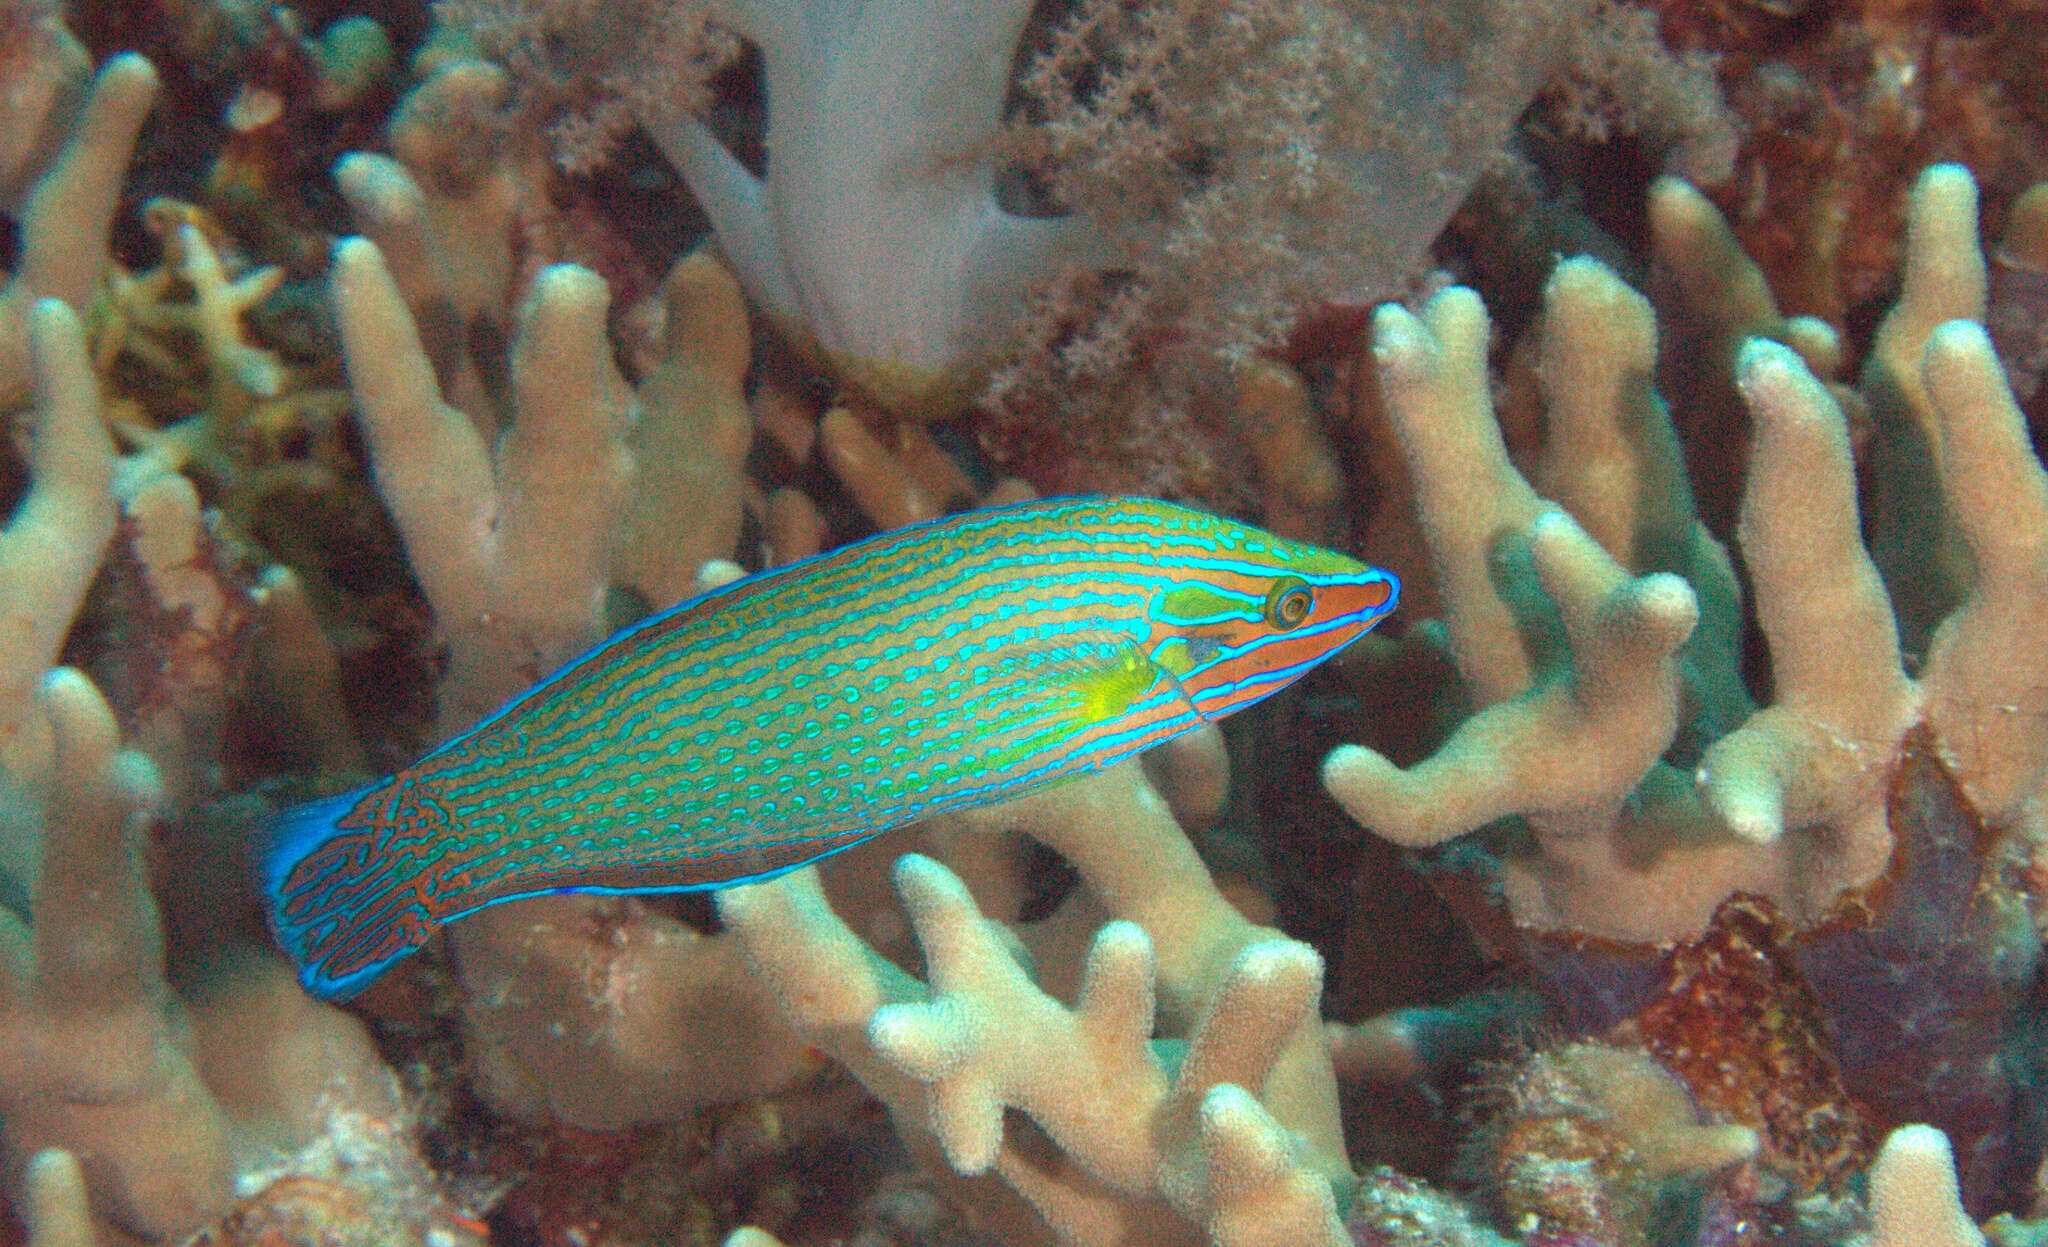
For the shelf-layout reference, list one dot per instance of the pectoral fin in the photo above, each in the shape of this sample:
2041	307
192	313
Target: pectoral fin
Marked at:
1106	689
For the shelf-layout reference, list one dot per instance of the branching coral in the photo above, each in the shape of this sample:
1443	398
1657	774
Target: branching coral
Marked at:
1829	801
103	1058
516	569
1576	745
164	1113
529	967
96	1064
632	1053
165	1095
231	377
517	549
1240	1139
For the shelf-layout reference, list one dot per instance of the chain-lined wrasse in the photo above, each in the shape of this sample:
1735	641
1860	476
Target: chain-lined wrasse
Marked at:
800	711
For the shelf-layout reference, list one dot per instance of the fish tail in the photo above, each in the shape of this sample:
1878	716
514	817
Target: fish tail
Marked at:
339	902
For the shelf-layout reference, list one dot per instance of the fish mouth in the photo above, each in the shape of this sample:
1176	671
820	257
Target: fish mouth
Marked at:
1364	597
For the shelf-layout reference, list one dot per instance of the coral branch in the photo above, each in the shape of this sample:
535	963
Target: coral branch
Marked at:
512	548
1566	752
64	223
986	1038
1986	674
1912	535
1822	751
55	1189
52	547
1433	373
691	437
96	1062
1913	1199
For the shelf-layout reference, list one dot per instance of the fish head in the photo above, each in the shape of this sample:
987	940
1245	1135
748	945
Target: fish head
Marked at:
1237	626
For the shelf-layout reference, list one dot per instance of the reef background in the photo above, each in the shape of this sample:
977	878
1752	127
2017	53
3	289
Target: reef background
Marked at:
1659	875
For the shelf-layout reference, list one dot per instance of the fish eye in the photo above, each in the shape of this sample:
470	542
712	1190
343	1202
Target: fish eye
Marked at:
1288	602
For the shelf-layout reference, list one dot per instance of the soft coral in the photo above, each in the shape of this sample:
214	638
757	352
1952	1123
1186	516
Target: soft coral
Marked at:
875	233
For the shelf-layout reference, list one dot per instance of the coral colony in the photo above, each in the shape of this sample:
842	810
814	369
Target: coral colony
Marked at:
957	415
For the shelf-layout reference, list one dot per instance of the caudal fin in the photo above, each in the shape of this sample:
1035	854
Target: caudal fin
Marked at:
341	906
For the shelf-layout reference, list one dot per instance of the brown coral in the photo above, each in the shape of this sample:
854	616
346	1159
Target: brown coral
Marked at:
1738	1023
1843	105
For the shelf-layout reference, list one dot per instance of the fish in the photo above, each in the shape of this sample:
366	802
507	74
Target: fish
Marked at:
797	712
